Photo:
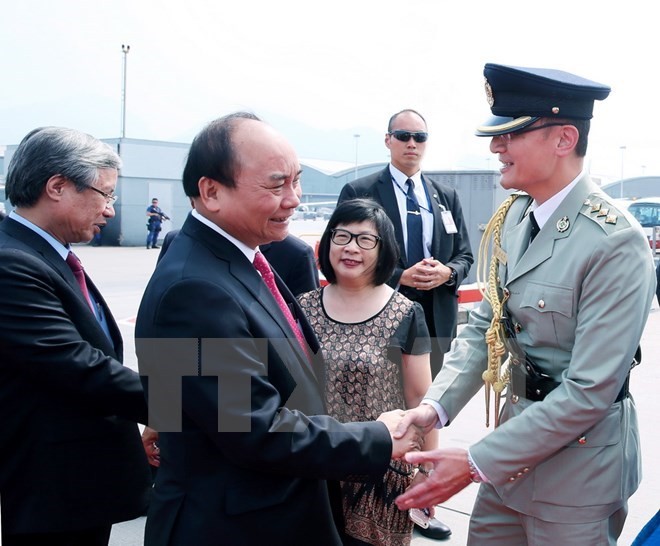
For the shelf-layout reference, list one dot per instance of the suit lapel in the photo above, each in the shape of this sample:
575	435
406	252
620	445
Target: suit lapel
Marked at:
113	329
436	205
543	246
37	245
385	195
244	273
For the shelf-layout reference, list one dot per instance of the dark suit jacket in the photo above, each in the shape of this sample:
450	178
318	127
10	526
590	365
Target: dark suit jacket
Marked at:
70	457
292	258
251	463
453	250
295	263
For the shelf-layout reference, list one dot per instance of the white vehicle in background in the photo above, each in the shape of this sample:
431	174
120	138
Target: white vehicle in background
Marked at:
646	210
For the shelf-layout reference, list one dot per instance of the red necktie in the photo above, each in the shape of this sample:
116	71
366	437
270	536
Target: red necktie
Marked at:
262	266
74	263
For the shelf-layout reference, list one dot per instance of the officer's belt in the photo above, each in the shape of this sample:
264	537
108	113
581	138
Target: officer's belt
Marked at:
533	383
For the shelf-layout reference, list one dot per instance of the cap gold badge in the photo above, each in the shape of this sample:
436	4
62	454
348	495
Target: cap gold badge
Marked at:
489	94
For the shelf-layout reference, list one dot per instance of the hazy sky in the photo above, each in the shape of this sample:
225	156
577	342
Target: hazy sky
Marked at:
324	71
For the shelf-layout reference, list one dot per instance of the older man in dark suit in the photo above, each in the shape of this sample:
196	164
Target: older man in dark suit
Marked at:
233	382
71	460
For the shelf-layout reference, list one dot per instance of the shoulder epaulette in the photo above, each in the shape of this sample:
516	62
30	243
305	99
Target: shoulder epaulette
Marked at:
600	209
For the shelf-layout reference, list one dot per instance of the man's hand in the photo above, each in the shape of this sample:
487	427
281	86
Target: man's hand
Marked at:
411	439
426	275
424	417
451	474
150	444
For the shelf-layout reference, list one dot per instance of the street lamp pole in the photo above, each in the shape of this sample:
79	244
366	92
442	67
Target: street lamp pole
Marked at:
357	139
623	149
124	49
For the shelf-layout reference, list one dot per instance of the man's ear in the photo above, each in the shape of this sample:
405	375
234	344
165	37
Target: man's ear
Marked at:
568	139
210	193
55	187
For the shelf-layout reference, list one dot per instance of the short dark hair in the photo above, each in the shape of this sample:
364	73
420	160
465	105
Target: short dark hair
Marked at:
360	210
582	125
212	154
407	110
48	151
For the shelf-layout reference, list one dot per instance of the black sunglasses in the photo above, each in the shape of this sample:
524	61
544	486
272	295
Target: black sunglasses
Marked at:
404	136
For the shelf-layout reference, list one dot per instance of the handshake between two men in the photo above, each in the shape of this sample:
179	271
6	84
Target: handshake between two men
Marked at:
448	469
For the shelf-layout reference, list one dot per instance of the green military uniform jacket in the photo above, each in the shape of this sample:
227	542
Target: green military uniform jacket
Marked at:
580	295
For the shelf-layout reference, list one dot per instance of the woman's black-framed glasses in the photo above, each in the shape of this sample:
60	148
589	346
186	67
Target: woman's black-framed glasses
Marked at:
365	241
405	136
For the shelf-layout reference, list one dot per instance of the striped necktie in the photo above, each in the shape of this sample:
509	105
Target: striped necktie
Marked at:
79	273
263	267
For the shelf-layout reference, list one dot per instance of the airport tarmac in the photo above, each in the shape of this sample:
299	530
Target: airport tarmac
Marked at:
121	273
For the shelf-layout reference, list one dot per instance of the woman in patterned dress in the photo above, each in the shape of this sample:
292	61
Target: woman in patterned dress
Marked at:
376	347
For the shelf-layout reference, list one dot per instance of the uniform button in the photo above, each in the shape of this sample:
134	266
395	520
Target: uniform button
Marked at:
512	479
505	292
518	327
520	474
514	398
582	440
541	304
525	470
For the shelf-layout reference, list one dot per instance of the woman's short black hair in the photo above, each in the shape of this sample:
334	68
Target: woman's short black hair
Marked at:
355	211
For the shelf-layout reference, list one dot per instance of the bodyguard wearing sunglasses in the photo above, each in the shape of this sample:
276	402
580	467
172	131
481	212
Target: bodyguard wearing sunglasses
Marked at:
435	253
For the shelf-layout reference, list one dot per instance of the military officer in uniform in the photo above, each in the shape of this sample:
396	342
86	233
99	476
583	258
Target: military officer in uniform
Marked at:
555	337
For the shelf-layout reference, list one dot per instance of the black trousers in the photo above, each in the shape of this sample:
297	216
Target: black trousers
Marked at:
97	536
425	299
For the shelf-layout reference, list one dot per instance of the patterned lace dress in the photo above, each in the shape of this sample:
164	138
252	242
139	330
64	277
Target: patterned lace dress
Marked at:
363	379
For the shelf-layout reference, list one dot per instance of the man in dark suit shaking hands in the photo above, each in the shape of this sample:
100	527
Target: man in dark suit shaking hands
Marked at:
234	386
71	460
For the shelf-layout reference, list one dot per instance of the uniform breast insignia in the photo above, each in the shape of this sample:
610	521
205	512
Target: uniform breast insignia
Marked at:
595	207
587	202
563	224
500	254
603	212
611	219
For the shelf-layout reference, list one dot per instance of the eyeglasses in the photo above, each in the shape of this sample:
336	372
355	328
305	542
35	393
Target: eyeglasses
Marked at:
109	199
404	136
508	137
365	241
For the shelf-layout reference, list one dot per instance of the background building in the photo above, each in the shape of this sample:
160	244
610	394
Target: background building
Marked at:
153	169
634	188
